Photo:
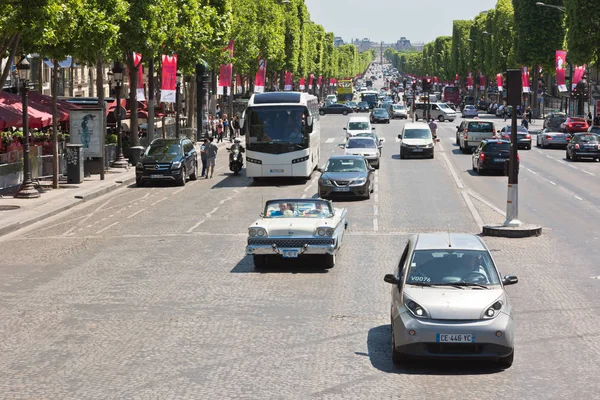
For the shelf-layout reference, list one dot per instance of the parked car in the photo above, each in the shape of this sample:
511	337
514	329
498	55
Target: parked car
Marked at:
346	176
583	145
523	136
380	115
170	160
363	146
550	138
471	132
416	140
335	108
491	155
293	228
470	112
399	111
574	124
449	301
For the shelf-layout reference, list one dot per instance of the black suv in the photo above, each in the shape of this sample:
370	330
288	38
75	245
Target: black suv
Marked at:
173	160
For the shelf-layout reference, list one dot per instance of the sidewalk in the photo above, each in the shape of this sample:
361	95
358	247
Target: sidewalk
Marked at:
55	201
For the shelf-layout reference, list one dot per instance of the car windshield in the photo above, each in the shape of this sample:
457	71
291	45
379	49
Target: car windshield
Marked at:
450	267
589	138
443	106
417	134
363	104
351	104
481	127
164	148
345	165
297	209
595	129
520	129
398	107
580	120
496	147
369	135
355	126
379	111
469	107
277	129
362	143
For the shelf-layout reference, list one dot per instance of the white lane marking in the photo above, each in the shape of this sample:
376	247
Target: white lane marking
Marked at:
376	179
472	209
453	140
588	172
552	183
306	189
136	213
375	224
70	231
578	198
158	201
224	200
532	171
330	140
572	166
440	146
375	210
107	228
315	179
487	203
195	226
457	180
333	151
376	187
214	210
244	188
179	191
304	196
376	197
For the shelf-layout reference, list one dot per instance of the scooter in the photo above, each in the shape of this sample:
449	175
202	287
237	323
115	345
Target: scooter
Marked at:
236	160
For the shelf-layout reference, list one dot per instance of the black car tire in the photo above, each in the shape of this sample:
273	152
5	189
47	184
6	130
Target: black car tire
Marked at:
260	261
441	118
321	112
181	180
568	156
388	121
329	260
575	157
377	166
194	175
139	182
507	362
345	112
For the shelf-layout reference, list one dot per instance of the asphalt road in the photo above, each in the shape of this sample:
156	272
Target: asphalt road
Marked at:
147	293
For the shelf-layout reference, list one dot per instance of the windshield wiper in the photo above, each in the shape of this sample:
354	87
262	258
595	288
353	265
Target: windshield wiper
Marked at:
469	284
420	284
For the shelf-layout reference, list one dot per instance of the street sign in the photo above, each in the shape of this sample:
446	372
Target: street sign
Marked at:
540	91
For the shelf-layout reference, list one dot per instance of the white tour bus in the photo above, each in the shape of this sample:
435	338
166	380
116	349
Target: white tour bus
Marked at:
282	132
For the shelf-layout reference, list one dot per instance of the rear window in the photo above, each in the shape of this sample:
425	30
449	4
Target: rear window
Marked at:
495	146
588	138
577	120
481	127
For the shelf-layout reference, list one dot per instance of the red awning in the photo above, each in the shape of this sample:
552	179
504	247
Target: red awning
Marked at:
37	117
45	103
9	117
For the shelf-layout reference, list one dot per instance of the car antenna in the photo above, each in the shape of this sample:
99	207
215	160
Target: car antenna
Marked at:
449	237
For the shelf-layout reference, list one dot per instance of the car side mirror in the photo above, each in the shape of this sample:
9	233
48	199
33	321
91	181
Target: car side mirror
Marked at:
341	145
372	128
344	128
510	280
391	278
437	139
320	170
400	136
309	121
458	127
261	214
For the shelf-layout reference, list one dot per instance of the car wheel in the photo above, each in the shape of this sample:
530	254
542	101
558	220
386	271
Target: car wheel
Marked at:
194	175
260	261
568	156
181	180
388	121
329	260
345	112
528	147
139	182
432	156
402	155
457	140
441	118
575	157
321	112
507	362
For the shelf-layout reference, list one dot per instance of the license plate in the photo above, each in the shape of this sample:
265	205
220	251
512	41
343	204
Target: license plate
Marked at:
156	176
454	338
341	189
418	150
498	159
289	253
277	171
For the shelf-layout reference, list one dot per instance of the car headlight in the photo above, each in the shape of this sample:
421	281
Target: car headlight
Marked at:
139	166
326	182
493	310
260	232
429	145
415	309
325	232
360	181
403	144
176	165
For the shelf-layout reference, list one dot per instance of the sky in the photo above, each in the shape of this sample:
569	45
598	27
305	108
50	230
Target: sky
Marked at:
388	20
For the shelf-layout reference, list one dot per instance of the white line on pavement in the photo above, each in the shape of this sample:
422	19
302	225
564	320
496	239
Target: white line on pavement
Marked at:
472	208
333	151
304	196
588	172
158	201
375	224
552	183
107	228
330	140
487	203
375	211
376	197
578	198
532	171
457	180
224	200
572	166
195	226
208	215
179	191
306	189
136	213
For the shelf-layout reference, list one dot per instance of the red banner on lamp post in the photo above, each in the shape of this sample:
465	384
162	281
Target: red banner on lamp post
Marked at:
525	80
289	77
169	79
561	63
259	81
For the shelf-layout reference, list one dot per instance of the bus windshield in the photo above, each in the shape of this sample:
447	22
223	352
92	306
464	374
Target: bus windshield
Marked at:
277	129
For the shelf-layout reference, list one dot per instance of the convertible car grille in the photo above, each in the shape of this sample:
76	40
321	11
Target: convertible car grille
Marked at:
291	242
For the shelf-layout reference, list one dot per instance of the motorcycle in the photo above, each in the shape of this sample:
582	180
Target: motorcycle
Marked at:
236	160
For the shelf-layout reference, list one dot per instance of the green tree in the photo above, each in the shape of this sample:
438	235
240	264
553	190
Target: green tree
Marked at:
583	31
503	54
461	55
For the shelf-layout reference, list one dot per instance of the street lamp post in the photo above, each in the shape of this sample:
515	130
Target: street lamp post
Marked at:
177	106
117	74
27	190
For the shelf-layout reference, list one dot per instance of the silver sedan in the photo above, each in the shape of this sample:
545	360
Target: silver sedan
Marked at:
448	301
550	138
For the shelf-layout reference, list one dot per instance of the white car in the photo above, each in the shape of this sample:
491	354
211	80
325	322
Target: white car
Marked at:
358	125
332	98
292	228
366	147
416	140
399	111
470	112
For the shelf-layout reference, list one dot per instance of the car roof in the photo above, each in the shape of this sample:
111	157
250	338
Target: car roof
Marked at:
359	118
447	240
166	141
496	140
360	138
348	157
416	125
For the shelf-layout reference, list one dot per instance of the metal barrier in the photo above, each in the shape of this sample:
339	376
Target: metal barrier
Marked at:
110	154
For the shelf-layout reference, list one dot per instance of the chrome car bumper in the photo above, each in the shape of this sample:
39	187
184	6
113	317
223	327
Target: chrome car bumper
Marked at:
274	246
424	343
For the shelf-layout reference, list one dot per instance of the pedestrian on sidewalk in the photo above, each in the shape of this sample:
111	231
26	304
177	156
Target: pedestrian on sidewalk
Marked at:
211	157
215	123
203	156
219	130
236	126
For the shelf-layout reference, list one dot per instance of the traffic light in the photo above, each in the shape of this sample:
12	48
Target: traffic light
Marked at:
427	84
404	84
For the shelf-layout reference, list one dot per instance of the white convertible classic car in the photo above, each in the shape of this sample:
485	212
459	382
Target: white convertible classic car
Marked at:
292	228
